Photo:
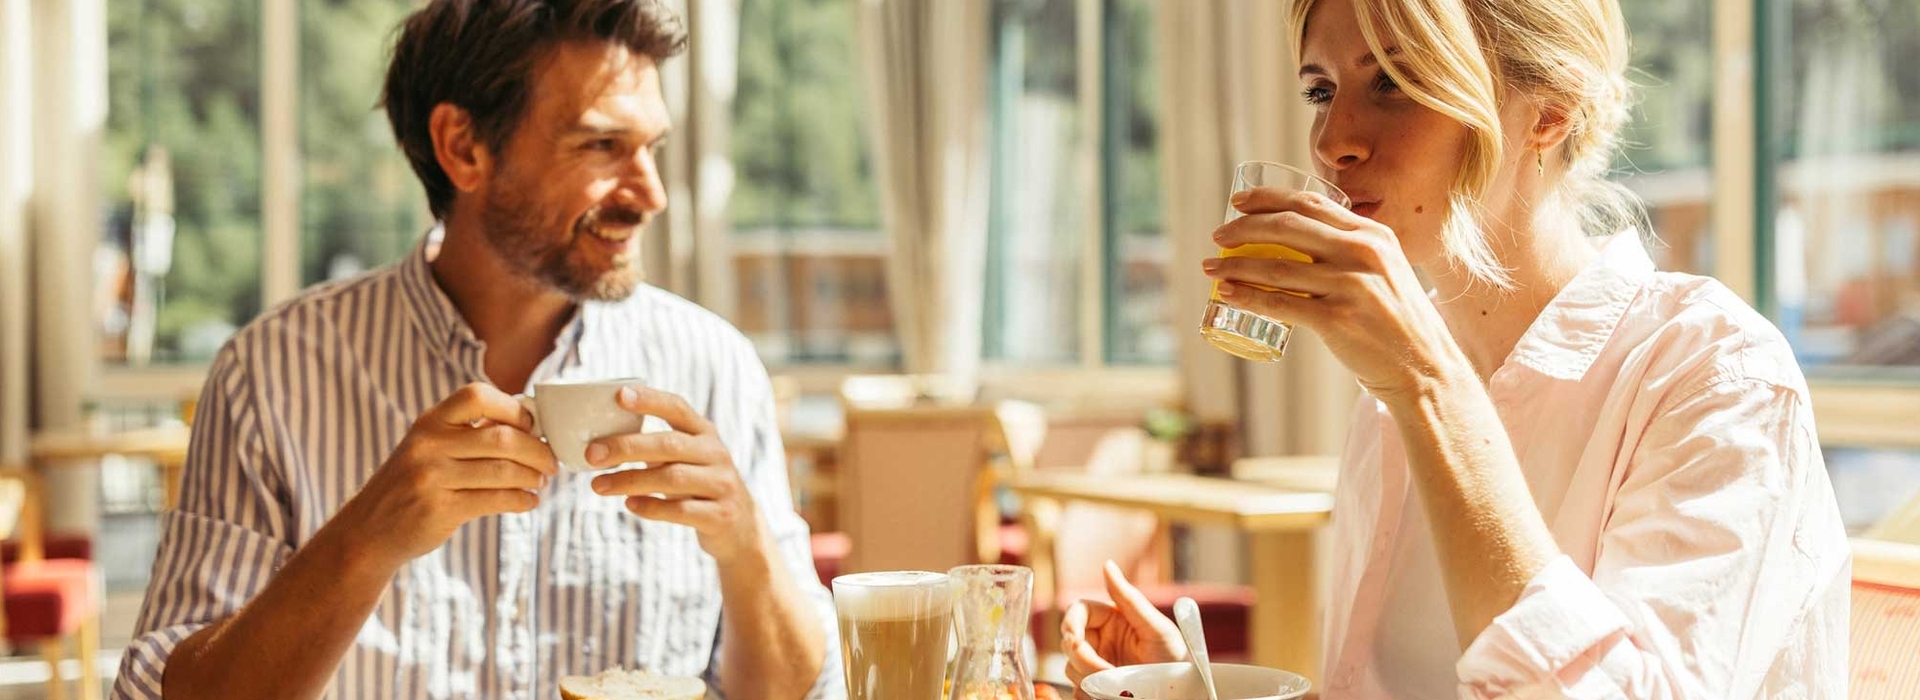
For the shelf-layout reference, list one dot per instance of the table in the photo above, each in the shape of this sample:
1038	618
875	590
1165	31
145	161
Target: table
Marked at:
165	445
1280	523
1303	472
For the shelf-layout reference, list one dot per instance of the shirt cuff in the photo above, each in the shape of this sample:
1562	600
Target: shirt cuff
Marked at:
1561	617
145	662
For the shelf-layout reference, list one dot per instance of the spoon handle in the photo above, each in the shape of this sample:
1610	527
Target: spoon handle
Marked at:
1186	614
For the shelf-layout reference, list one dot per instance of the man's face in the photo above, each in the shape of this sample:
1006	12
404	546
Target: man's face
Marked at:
577	181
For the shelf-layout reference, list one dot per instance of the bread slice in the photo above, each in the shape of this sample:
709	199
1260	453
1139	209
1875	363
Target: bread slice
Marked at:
621	684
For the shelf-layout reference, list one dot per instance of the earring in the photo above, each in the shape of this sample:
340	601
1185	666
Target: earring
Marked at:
1540	162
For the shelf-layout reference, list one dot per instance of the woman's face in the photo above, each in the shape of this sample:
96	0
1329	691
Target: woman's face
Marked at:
1395	158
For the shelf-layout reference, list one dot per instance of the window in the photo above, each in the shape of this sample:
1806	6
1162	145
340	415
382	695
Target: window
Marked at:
1666	156
360	205
1840	182
1076	256
178	266
809	254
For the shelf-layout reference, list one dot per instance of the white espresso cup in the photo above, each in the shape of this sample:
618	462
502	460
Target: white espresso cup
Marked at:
571	415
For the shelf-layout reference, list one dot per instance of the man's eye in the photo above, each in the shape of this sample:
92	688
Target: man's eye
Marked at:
602	145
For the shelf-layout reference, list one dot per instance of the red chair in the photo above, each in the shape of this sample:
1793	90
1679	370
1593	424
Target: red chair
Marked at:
1069	544
46	602
1885	625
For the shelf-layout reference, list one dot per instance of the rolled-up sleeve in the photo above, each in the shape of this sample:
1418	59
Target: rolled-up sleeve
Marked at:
762	459
1722	552
223	541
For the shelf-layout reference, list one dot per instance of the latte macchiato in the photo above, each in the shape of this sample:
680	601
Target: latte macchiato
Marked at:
894	633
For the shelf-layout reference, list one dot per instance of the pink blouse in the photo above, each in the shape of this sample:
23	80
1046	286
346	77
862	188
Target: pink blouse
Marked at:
1667	439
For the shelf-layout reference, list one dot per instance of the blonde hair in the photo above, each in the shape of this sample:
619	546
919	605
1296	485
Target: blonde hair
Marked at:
1458	57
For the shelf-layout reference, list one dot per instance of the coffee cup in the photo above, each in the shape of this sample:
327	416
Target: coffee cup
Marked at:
571	415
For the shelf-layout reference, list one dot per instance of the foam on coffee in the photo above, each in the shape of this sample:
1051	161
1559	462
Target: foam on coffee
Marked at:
890	595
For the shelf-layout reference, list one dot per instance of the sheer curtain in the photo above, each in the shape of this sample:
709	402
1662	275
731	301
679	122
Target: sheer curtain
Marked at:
1227	95
926	65
16	172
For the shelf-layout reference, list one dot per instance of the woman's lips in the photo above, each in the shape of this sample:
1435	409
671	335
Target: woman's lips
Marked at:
1366	209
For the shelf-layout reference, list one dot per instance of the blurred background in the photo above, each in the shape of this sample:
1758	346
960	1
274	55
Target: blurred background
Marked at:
170	168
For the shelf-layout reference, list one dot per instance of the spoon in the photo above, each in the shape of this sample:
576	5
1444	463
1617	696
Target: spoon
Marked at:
1186	613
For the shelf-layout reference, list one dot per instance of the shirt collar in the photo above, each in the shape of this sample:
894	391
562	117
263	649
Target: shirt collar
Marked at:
440	322
1572	330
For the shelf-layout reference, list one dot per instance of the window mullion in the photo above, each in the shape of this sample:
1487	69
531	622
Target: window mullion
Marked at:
1090	29
279	150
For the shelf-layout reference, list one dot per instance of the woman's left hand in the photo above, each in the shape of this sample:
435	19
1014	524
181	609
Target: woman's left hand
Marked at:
1360	294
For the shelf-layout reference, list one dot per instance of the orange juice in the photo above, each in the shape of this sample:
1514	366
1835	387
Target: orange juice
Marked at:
1269	251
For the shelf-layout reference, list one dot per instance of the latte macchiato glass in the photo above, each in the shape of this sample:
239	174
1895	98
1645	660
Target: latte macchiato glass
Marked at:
894	629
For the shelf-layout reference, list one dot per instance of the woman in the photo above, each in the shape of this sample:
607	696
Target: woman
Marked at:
1608	475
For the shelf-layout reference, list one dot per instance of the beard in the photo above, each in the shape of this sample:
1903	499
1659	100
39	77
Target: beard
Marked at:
523	237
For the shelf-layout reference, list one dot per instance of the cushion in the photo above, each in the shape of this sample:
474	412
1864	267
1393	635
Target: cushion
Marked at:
48	598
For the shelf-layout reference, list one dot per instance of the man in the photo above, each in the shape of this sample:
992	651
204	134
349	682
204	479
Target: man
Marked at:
365	512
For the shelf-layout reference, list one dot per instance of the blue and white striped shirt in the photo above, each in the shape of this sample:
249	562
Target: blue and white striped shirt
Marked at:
304	404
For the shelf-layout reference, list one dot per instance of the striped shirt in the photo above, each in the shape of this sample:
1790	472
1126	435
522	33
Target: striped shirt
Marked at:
305	403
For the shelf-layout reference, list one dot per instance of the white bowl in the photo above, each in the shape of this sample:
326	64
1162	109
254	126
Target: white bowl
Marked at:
1178	681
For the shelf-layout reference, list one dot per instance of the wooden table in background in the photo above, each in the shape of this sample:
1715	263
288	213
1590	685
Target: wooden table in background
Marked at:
166	446
1280	525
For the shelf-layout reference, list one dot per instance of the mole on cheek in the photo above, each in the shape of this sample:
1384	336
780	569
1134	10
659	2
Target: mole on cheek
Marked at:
1419	210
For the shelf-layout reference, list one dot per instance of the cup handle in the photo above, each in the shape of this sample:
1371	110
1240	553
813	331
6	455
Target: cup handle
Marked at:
526	402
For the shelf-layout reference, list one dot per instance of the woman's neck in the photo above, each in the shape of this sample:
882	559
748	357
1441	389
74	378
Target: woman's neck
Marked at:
1543	253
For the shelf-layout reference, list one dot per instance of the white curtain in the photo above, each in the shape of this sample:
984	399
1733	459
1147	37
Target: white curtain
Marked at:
1227	95
16	173
693	257
926	63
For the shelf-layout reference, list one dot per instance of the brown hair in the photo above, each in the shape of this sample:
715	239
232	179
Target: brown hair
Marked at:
479	55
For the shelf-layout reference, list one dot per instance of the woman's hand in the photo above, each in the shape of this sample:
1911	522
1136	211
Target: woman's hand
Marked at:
1359	294
1096	636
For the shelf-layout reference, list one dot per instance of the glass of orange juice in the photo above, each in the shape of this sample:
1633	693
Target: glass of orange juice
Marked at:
1244	333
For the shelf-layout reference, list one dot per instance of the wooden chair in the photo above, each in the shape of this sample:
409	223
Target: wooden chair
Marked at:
918	484
1072	542
1885	637
46	602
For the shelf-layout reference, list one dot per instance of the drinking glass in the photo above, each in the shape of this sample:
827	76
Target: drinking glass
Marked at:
1238	331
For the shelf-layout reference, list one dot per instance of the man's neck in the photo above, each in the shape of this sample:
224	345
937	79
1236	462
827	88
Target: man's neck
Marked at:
517	318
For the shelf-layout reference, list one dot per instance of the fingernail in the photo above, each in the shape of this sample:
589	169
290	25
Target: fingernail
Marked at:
628	396
600	485
1210	264
543	480
1240	197
1228	289
596	452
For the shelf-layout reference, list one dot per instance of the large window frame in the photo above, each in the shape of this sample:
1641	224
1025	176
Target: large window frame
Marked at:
1853	410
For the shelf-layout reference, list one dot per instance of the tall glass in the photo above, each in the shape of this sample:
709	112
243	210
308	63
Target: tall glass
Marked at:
990	619
1244	333
894	628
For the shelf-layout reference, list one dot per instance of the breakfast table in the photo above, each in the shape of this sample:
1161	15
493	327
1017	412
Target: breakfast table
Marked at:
1279	523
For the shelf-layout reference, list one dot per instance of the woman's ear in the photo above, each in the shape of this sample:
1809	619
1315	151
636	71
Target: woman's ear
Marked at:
463	156
1551	126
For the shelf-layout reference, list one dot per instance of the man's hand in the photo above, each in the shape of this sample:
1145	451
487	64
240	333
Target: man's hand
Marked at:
689	479
470	456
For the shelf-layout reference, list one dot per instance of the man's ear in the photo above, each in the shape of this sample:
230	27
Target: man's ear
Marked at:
462	154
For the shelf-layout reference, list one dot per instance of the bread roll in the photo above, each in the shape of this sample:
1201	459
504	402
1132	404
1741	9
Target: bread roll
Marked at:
621	684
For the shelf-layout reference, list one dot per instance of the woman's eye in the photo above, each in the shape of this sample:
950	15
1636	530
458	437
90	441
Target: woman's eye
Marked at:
1316	95
1385	83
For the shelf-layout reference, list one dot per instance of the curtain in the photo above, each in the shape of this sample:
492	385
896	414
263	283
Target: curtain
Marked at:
1227	77
693	258
926	64
16	173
